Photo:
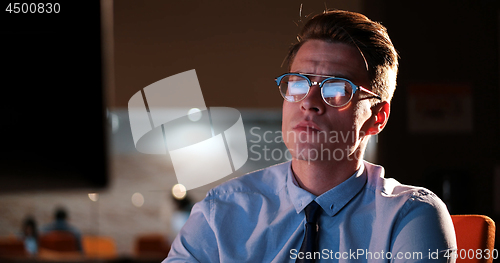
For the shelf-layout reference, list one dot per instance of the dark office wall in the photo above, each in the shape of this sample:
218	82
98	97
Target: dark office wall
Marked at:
445	43
236	47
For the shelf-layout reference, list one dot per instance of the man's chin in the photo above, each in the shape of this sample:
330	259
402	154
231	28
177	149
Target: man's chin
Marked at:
310	152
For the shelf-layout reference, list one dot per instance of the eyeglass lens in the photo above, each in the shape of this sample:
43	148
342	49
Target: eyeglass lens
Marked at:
335	92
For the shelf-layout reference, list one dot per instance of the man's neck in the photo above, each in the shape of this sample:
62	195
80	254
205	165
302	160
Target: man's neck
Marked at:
317	177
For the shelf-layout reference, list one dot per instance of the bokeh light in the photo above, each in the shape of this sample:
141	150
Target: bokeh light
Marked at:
137	199
179	191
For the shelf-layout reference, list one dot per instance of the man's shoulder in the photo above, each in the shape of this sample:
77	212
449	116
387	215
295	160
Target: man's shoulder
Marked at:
269	180
390	190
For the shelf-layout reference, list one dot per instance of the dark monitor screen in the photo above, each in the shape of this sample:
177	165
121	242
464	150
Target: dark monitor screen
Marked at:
53	122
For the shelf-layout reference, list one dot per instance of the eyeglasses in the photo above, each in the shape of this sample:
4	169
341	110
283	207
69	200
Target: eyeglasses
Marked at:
336	92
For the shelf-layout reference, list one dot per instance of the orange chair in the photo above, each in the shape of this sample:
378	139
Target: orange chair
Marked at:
474	232
153	245
60	241
99	247
12	247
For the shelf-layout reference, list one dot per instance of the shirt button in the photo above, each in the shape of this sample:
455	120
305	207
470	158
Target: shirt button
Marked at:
331	207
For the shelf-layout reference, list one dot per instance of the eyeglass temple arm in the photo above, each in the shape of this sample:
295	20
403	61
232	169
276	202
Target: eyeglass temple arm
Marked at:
370	92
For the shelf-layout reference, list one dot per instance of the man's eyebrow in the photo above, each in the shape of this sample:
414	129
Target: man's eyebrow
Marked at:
344	76
340	75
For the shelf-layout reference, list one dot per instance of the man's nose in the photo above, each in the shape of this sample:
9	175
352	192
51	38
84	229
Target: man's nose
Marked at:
313	101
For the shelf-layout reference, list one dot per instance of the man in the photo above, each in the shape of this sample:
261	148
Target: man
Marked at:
60	223
327	204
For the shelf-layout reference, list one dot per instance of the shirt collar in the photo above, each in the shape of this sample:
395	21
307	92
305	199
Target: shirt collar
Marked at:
333	200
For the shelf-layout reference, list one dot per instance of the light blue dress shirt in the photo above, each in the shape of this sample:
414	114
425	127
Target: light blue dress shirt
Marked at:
260	217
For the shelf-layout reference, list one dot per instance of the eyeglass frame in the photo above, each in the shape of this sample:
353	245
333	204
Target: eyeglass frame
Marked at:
320	84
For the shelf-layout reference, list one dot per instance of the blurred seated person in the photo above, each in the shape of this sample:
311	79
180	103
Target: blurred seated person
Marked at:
180	215
29	235
60	224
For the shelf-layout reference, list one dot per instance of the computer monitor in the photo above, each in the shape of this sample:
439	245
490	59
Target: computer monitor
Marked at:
53	111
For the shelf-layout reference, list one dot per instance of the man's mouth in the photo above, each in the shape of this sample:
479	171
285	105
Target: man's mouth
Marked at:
307	126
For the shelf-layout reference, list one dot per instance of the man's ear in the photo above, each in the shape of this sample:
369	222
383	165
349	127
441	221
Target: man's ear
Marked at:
380	116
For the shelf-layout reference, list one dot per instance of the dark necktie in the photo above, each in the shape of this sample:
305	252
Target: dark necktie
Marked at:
310	243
